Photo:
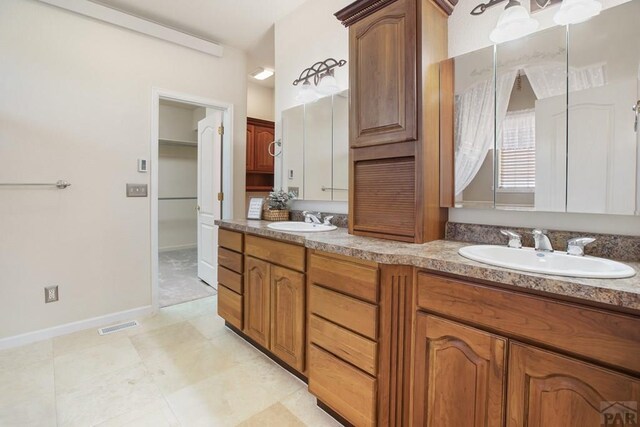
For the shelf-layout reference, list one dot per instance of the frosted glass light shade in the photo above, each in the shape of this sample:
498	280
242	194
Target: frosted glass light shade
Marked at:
328	85
513	23
576	11
307	93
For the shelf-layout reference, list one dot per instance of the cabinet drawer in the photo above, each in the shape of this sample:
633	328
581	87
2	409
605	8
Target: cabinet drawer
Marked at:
230	279
230	306
280	253
230	260
349	312
351	347
230	240
360	281
596	334
348	391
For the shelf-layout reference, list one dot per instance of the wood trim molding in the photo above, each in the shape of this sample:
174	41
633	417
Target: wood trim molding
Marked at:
447	160
396	316
445	5
360	9
260	122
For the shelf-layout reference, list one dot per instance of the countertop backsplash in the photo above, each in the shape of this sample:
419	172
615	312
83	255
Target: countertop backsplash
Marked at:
618	247
339	220
613	246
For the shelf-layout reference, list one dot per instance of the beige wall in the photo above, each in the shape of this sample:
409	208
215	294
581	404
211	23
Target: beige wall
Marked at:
76	105
260	102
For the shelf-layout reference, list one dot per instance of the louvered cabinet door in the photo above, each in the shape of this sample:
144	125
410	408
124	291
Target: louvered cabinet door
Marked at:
459	375
550	390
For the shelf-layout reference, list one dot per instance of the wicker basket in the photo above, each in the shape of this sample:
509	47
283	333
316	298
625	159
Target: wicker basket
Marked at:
275	215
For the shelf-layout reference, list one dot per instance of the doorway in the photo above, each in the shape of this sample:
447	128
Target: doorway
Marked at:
191	169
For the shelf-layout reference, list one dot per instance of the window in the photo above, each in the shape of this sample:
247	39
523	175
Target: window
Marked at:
517	155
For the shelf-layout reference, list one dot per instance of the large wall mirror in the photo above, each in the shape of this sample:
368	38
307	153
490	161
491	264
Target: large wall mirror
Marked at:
315	144
604	138
546	122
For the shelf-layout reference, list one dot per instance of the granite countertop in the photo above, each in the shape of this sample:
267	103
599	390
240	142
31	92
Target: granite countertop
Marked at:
442	256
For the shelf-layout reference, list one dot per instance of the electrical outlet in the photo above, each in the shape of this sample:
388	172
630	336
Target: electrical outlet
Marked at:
51	294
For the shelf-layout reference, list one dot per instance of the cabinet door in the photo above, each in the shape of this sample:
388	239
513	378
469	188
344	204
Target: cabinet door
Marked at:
383	76
459	375
257	300
251	131
263	138
287	316
550	390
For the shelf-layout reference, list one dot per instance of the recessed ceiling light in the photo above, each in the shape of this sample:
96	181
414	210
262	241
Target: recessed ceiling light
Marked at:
262	74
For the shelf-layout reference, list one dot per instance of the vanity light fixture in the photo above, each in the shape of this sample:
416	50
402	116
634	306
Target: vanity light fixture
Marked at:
318	80
576	11
514	22
307	93
262	73
328	84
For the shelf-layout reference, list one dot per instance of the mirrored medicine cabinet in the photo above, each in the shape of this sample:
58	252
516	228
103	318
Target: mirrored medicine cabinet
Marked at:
315	147
547	123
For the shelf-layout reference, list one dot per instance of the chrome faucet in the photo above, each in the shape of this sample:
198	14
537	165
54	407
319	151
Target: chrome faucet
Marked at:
312	217
542	242
515	239
576	245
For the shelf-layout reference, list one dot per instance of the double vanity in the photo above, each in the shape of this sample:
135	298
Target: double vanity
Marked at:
391	333
395	322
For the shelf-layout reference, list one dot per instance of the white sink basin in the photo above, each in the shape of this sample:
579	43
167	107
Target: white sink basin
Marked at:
556	263
300	227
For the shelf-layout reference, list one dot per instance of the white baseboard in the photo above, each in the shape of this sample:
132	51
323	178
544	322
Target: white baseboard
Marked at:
68	328
177	247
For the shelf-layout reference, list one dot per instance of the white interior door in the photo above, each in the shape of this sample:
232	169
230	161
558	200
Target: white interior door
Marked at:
209	185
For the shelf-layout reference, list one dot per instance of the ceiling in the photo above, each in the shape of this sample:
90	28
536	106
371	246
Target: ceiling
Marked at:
243	24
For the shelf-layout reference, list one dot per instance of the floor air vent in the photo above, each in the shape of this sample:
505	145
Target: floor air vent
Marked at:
119	327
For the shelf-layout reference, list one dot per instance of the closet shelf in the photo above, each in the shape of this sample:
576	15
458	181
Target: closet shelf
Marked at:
178	142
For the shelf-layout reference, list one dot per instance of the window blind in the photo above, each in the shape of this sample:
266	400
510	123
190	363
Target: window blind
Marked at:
517	157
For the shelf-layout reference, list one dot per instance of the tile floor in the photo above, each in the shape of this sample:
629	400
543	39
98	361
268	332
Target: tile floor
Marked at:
180	367
178	278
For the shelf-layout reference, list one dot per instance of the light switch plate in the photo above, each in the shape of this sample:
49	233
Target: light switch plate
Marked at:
142	165
136	190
